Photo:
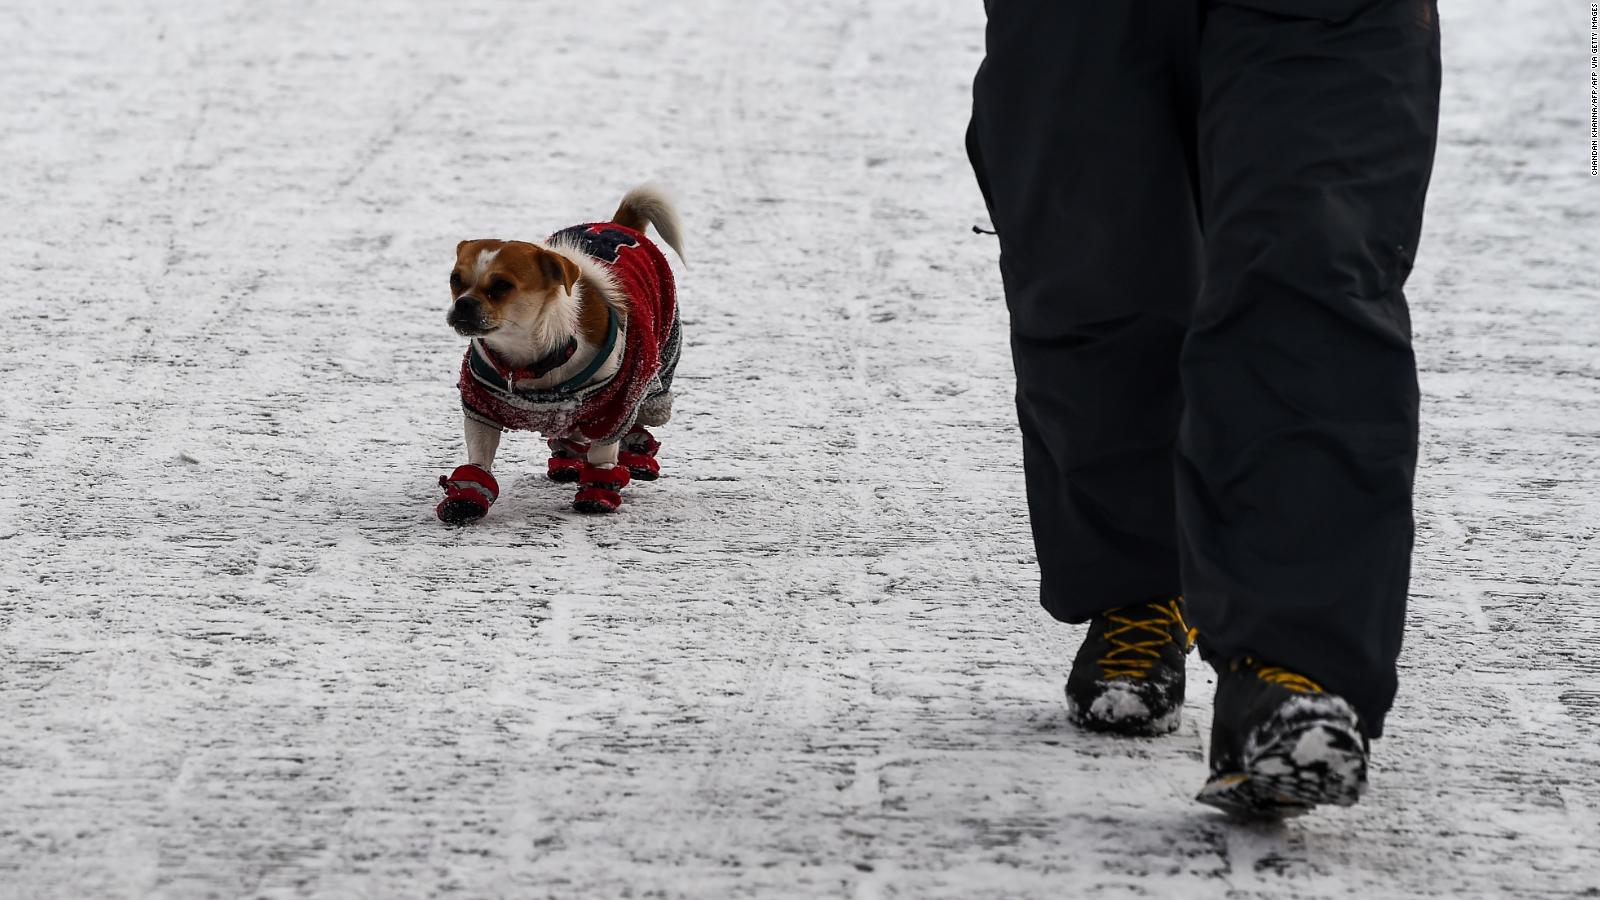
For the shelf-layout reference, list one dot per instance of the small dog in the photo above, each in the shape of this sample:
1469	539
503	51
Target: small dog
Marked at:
575	337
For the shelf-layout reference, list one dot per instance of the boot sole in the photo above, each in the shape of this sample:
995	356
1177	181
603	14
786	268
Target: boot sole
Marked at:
1127	726
1315	764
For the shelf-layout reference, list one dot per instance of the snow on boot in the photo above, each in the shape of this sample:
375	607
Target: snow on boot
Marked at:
638	453
1281	745
469	491
600	489
1128	676
566	460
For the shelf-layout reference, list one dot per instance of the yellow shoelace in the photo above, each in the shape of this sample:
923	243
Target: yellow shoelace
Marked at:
1136	655
1294	681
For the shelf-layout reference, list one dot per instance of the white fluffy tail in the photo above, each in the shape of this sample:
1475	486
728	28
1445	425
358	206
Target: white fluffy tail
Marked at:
651	203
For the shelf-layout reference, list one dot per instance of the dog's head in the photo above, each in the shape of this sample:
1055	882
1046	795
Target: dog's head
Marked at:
514	288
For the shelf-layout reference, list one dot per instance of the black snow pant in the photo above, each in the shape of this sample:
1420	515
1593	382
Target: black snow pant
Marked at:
1206	211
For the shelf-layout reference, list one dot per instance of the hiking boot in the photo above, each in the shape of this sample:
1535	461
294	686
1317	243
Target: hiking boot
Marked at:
1281	745
1128	675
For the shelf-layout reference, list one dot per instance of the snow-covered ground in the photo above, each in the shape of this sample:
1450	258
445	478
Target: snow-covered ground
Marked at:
239	658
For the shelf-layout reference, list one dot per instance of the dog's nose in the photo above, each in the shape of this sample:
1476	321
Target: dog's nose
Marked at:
466	309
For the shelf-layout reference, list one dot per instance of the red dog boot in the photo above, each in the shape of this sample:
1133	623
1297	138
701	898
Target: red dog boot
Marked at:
600	490
566	460
469	491
639	454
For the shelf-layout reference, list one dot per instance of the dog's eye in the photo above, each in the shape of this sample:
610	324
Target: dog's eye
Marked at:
455	279
499	287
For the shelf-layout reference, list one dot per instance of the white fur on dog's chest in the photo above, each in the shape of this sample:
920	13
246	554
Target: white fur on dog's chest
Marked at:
580	360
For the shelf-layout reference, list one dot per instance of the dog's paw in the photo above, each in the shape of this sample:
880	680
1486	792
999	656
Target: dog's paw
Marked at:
601	489
640	466
566	459
459	512
639	448
564	470
469	491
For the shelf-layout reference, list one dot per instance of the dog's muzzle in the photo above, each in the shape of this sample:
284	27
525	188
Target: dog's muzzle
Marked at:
467	316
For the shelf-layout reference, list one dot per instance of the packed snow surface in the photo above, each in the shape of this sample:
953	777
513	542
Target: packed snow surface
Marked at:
240	658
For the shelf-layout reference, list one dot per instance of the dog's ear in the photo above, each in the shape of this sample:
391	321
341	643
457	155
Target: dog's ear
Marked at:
460	245
558	268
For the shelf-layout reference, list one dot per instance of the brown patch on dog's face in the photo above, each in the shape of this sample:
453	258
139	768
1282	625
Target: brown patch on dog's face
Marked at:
500	283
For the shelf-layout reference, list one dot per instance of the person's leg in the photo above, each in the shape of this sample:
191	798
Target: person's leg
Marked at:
1082	140
1299	436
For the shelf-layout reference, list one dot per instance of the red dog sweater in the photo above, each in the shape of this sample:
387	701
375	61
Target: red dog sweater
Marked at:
600	410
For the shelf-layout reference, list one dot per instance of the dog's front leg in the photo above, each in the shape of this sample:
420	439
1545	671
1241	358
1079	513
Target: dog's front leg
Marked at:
603	455
483	442
600	486
470	490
